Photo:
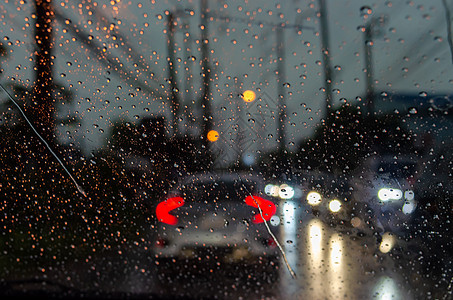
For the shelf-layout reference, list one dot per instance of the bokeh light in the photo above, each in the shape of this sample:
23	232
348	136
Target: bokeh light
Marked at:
213	136
249	96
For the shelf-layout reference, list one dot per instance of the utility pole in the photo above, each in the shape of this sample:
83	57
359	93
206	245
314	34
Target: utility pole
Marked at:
172	72
205	101
43	112
326	56
281	89
369	67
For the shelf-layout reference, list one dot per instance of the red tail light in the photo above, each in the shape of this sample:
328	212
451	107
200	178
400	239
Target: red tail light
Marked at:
267	207
163	209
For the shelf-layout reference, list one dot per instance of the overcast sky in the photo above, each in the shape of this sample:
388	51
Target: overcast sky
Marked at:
410	54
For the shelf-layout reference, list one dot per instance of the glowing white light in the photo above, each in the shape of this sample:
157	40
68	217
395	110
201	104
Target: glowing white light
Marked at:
335	251
272	190
386	194
409	195
289	217
386	288
337	270
315	238
275	220
409	207
286	192
314	198
387	243
289	210
335	205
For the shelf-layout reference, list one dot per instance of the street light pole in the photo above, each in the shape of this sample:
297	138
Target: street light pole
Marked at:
326	56
44	111
369	67
281	91
205	101
172	72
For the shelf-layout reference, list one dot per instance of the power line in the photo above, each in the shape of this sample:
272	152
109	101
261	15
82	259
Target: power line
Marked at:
104	58
261	23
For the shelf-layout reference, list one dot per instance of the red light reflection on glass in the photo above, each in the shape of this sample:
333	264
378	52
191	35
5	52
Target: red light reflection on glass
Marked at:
267	207
163	209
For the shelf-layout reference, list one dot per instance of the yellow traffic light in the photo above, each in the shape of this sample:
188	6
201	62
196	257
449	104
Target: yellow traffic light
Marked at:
248	96
213	136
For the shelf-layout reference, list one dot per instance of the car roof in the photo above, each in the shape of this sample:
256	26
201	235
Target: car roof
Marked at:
221	176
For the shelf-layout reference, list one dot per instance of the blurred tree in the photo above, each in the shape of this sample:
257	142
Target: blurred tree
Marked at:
347	136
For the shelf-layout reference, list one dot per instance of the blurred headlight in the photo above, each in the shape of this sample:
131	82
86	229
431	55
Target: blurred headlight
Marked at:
272	190
387	243
409	195
335	205
314	198
386	194
286	192
409	207
275	220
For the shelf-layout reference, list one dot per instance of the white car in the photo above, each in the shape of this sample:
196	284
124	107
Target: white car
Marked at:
383	194
216	219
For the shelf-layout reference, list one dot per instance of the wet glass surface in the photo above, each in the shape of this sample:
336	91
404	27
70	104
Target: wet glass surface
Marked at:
226	149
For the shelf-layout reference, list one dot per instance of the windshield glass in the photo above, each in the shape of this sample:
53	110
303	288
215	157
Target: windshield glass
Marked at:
397	169
223	191
226	149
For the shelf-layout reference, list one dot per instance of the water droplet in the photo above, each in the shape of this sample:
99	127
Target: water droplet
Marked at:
365	10
62	75
423	94
287	85
189	12
159	17
438	39
412	110
289	241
